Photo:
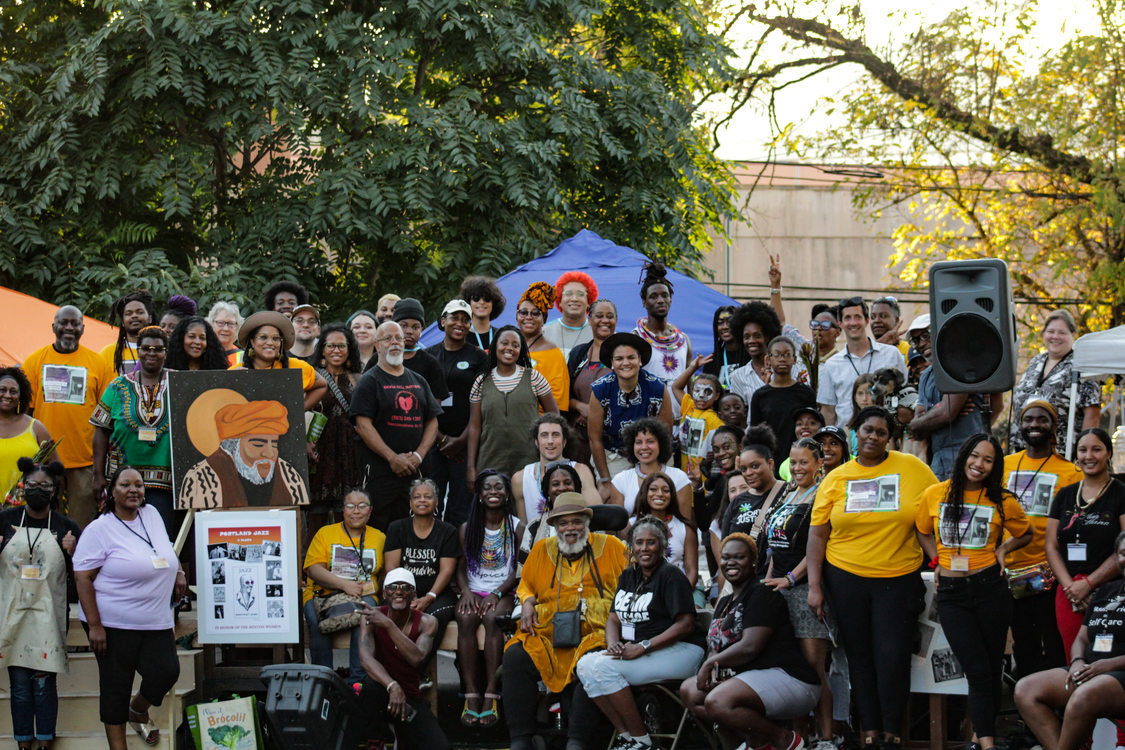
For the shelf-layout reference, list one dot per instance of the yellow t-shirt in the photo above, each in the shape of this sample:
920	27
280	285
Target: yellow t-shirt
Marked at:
64	391
695	425
308	374
335	550
871	510
551	364
1034	481
979	530
128	357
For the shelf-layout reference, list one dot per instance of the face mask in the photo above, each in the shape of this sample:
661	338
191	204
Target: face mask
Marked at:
702	391
37	498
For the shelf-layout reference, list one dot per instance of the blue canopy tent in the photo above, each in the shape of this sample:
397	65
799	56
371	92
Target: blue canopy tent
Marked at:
617	271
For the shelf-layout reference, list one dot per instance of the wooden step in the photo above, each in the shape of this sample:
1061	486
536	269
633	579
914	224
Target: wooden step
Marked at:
186	624
78	713
83	675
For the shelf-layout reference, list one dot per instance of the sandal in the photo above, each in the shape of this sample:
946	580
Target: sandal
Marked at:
490	717
144	728
469	717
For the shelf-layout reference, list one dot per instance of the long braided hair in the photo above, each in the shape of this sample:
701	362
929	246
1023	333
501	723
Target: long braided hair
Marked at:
993	483
117	318
474	526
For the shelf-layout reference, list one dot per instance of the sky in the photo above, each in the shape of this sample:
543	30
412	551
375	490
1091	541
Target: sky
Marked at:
747	136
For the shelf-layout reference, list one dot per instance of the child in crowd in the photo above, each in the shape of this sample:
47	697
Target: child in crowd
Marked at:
697	413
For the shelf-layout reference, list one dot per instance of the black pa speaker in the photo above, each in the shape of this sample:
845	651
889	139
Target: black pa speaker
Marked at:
972	328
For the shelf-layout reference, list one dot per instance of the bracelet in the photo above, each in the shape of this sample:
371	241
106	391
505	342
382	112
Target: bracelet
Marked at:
389	684
415	453
792	580
497	593
776	290
1077	658
603	480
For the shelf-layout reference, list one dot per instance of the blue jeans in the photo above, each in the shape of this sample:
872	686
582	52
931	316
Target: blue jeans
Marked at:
35	704
320	645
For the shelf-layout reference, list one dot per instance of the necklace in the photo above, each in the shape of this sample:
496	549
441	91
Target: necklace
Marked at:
535	341
1030	482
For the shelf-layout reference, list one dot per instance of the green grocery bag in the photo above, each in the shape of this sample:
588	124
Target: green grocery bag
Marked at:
225	725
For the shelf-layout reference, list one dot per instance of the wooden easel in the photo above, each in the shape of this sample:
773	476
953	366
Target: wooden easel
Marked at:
224	669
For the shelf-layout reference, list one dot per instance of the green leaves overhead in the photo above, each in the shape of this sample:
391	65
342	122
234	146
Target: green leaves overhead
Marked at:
359	147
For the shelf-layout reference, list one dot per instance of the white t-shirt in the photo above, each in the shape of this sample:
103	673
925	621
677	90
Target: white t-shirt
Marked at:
628	482
132	593
838	374
533	501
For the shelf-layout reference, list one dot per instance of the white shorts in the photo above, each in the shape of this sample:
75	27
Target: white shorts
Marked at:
784	696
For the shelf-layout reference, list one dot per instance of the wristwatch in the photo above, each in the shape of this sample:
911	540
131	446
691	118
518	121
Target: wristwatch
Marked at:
646	644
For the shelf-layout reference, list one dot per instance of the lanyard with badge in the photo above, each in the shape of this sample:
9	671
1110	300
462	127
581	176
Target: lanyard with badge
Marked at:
1103	642
1076	550
32	569
158	561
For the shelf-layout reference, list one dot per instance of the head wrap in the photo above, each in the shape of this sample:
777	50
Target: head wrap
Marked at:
541	294
252	418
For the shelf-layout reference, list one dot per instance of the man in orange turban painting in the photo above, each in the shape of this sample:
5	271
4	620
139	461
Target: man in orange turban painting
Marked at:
246	469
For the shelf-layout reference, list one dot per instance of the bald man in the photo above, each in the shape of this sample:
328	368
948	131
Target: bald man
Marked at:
246	469
66	380
395	414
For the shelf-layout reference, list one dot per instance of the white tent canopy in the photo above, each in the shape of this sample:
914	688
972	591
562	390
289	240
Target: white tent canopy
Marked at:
1095	354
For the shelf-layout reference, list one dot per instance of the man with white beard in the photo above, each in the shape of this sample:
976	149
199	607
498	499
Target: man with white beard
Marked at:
566	592
395	414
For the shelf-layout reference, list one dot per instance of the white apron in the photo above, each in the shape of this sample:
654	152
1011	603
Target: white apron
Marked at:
33	619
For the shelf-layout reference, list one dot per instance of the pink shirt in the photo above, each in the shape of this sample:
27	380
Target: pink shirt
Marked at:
132	594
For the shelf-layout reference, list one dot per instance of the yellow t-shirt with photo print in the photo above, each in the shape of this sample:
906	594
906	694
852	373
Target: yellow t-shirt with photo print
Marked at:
333	548
871	511
64	391
1034	481
977	538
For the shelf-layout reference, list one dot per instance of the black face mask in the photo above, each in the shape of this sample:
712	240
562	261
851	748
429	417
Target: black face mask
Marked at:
38	498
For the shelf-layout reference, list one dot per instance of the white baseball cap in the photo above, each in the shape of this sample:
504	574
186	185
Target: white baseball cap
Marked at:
919	323
457	305
399	575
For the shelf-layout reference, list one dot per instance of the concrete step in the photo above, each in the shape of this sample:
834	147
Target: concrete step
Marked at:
83	675
78	713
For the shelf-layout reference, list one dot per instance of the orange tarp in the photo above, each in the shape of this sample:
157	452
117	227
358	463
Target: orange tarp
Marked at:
28	327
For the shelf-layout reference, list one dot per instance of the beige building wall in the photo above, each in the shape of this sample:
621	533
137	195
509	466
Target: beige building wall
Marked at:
804	214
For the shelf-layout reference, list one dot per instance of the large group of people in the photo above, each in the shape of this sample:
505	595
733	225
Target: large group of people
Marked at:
609	505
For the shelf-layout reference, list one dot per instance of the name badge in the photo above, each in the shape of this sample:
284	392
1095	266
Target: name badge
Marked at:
628	631
1076	552
959	562
159	562
30	572
146	435
1103	643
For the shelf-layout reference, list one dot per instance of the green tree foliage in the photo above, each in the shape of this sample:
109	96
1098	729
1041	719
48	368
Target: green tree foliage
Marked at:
995	150
213	146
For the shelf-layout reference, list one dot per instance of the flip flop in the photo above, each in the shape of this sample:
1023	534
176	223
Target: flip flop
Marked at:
146	730
490	717
469	718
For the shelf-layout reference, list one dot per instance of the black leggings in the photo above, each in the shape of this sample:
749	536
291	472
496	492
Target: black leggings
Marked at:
975	612
152	653
521	698
877	618
1036	643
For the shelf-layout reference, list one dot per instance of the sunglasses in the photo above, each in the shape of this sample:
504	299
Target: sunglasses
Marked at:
403	587
851	302
888	299
821	325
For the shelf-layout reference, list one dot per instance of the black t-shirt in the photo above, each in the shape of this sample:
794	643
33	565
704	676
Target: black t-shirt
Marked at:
425	365
11	519
421	556
775	406
1105	622
1096	527
741	513
652	606
760	606
785	534
399	407
459	369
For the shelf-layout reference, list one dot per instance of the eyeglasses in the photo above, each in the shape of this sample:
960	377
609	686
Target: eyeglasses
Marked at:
356	506
783	354
150	349
923	335
574	294
403	587
223	324
267	339
39	485
335	346
533	313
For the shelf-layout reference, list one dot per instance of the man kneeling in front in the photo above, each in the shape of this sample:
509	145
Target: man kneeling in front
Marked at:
395	640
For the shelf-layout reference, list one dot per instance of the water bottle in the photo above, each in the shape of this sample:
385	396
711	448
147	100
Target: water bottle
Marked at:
316	427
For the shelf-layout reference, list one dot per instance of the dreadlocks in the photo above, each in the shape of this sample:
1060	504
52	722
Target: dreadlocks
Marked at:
117	318
474	526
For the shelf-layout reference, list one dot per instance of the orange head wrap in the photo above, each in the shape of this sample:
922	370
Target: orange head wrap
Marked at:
252	418
541	294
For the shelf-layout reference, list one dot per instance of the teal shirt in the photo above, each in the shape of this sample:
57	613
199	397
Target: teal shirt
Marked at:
122	411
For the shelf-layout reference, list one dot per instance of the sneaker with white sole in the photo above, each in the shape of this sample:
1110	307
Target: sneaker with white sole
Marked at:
797	743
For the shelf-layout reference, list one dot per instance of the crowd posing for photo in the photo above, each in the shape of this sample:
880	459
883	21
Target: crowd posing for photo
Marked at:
597	506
